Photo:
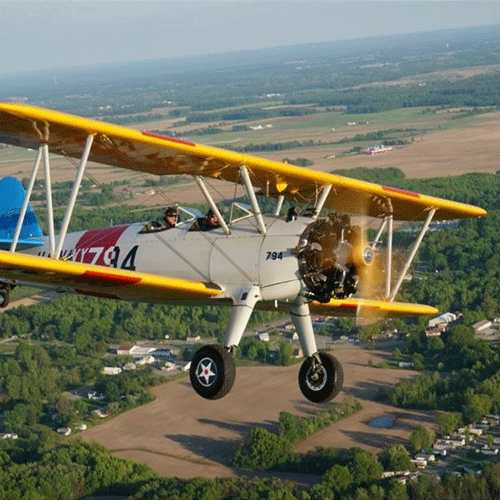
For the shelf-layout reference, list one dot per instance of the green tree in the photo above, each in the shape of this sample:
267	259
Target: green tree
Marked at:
422	438
339	478
448	422
396	458
364	467
285	354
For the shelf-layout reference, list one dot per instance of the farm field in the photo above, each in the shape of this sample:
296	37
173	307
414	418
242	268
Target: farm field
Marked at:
183	435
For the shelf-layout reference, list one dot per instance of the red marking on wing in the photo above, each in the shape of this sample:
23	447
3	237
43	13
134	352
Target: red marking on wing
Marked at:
97	238
111	278
401	191
349	306
167	138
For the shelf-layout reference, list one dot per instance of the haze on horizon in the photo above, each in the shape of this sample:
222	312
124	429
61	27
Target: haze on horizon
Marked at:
47	34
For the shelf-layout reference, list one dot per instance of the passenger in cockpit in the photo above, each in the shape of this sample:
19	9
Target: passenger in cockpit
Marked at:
206	223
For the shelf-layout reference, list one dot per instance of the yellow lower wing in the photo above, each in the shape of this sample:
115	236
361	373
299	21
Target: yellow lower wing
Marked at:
355	307
102	281
382	308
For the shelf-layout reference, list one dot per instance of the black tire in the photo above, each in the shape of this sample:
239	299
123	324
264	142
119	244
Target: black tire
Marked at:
326	383
212	372
4	298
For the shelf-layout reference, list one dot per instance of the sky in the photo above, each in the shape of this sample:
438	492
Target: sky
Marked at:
46	34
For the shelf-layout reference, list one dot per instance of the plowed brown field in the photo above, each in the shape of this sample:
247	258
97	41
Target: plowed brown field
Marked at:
183	435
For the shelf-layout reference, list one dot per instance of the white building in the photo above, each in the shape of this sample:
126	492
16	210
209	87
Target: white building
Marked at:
111	370
146	360
444	318
8	435
481	326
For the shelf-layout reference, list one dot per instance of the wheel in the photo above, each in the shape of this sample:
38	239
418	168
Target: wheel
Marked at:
4	298
212	372
321	382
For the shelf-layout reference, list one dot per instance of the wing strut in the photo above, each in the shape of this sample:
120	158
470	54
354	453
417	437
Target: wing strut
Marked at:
253	200
212	204
279	204
388	269
26	201
48	192
413	252
322	199
73	196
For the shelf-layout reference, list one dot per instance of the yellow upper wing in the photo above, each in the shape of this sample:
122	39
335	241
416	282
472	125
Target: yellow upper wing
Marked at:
28	126
102	281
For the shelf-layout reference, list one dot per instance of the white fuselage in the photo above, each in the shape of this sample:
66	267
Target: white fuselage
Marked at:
244	257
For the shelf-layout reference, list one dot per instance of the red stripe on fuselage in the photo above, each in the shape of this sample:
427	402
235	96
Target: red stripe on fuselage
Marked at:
95	244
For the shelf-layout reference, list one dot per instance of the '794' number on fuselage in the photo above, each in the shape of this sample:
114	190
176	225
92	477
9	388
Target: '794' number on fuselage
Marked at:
274	256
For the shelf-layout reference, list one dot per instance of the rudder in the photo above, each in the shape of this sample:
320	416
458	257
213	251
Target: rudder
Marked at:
11	201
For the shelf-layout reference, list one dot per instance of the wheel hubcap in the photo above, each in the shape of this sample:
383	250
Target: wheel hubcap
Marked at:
206	372
316	378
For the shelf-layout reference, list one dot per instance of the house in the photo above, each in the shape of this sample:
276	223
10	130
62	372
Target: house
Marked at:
8	435
440	449
475	431
445	319
482	326
405	364
134	350
137	351
264	337
94	395
435	331
162	353
129	367
100	412
124	350
146	360
111	370
420	463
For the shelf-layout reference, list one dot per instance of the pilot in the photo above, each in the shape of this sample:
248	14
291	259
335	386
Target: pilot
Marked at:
170	217
206	223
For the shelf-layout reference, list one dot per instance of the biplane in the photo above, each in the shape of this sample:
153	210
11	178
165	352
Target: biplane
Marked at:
318	260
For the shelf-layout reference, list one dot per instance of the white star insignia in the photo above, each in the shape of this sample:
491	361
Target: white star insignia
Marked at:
205	371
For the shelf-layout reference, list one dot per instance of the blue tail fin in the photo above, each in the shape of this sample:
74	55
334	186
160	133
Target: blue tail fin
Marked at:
11	201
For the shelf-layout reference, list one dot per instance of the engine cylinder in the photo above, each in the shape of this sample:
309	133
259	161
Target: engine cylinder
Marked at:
326	257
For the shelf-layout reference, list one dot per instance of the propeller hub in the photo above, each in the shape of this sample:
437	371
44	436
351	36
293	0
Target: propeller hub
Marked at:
368	255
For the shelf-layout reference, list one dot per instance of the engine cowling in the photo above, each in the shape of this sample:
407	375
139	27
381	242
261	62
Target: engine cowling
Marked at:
331	255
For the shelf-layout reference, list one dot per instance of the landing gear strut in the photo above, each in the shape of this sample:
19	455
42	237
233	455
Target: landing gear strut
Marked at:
321	377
